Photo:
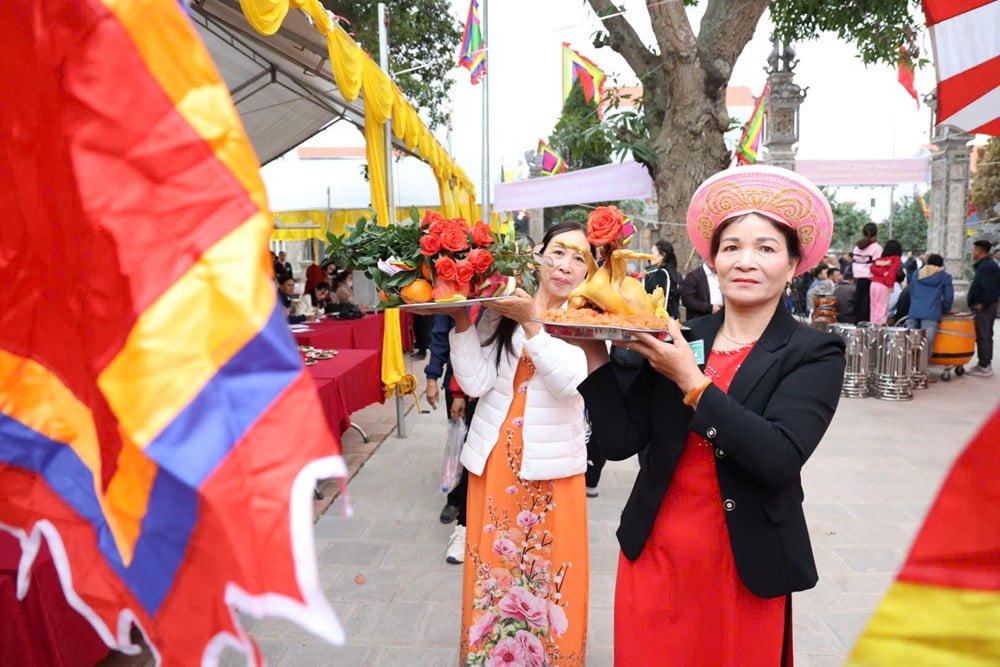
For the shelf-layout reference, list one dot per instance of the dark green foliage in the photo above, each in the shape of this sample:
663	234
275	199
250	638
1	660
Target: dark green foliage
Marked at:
877	27
909	226
572	137
985	192
848	220
419	32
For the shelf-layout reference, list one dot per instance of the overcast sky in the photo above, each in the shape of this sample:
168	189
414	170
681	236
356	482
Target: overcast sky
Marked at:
850	111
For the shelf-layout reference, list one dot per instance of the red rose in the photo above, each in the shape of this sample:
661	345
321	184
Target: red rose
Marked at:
465	272
430	244
438	226
480	260
604	225
456	238
429	219
445	268
481	234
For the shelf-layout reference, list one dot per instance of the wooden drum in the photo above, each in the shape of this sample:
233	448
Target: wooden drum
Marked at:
955	343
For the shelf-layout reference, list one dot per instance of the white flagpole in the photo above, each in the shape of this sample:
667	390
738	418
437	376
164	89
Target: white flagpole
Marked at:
486	117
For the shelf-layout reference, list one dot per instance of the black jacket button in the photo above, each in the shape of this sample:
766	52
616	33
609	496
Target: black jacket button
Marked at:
711	432
729	504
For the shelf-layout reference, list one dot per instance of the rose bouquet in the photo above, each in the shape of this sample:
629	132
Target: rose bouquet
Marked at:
434	259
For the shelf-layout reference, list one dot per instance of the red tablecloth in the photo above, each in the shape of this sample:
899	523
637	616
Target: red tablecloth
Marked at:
347	383
42	630
363	334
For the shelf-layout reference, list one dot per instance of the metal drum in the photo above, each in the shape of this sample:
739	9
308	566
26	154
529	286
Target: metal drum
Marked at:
918	358
857	353
893	366
872	333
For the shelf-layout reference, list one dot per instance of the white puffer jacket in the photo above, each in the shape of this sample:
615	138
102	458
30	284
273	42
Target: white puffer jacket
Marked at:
553	432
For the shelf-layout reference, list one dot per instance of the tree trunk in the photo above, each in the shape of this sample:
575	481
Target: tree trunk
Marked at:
689	148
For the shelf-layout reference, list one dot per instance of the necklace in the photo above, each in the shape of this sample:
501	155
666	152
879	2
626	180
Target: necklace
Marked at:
737	342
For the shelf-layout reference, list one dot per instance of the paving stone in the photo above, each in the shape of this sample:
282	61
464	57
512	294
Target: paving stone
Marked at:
397	622
443	624
351	553
321	654
443	586
416	657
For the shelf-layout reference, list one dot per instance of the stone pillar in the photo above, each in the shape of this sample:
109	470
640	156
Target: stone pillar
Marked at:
950	196
781	124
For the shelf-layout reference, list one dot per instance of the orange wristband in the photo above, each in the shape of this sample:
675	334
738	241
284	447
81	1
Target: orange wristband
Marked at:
692	396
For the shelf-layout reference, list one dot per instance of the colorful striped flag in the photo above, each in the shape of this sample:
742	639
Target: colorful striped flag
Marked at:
748	149
966	45
157	427
552	162
924	208
473	56
579	68
628	231
944	607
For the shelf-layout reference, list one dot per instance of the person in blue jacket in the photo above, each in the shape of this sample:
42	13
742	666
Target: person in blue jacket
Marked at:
931	296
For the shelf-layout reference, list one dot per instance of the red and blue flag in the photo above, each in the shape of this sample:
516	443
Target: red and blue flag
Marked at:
157	427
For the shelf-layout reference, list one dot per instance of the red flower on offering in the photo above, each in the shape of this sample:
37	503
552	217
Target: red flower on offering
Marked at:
481	260
429	219
446	268
456	237
464	271
481	234
604	225
430	244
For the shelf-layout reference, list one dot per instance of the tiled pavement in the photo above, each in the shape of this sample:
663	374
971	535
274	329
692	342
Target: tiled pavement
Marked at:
867	489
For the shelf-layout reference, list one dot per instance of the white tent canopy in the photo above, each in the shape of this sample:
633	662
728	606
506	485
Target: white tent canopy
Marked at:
281	84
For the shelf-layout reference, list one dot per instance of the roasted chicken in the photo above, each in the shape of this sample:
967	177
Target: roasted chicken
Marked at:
610	289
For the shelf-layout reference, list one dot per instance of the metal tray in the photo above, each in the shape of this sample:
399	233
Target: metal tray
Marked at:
448	305
599	332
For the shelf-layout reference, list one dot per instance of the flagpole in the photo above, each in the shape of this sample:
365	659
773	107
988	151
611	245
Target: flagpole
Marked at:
486	115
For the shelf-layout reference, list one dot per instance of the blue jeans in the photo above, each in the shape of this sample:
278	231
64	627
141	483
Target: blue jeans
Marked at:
930	326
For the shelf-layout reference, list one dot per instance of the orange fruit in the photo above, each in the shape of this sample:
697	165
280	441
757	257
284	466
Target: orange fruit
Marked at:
425	270
419	291
382	295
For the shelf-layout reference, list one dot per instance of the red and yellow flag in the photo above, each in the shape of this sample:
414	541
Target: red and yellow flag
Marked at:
748	149
157	427
944	607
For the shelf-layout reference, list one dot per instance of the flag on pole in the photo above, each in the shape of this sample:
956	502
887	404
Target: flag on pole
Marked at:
944	607
578	68
473	56
157	426
967	61
924	208
628	230
552	162
748	149
904	74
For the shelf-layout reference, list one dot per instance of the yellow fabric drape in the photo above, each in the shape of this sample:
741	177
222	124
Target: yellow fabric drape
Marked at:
298	234
393	368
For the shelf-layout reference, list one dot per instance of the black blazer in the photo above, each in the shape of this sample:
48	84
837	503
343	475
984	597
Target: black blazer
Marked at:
695	295
779	405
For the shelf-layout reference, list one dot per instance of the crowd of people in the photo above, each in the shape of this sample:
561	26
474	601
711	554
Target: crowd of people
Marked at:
723	418
326	290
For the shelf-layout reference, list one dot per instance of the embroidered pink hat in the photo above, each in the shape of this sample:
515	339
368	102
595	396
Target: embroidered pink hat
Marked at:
779	194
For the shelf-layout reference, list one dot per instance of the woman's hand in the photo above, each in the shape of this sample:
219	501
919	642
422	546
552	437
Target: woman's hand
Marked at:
520	307
674	360
457	408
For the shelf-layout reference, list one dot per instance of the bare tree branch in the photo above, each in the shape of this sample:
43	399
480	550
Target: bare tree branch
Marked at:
672	29
725	29
624	39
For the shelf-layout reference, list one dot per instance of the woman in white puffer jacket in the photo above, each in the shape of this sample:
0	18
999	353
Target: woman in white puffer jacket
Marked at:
526	547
